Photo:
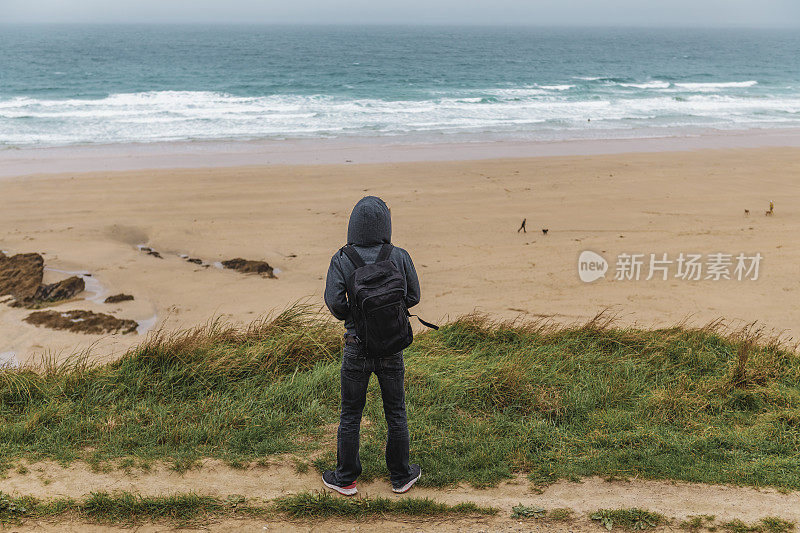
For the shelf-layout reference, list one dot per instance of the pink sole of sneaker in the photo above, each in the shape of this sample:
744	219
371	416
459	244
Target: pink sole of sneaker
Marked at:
349	490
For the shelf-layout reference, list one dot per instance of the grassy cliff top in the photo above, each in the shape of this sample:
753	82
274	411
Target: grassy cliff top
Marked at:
485	399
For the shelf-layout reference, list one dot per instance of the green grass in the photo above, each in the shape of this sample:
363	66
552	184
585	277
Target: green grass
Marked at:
774	524
122	508
11	510
323	504
697	523
557	515
560	514
524	511
485	400
192	509
769	524
765	525
629	519
131	508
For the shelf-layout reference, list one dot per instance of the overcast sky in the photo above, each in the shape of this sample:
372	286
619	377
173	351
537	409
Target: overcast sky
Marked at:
526	12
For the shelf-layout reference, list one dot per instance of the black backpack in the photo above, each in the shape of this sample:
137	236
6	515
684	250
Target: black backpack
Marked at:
376	294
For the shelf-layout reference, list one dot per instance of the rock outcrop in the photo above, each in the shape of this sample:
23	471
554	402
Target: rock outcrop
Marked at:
21	275
62	290
80	321
247	266
118	298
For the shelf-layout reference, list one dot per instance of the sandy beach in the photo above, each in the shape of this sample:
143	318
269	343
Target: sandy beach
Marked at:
458	219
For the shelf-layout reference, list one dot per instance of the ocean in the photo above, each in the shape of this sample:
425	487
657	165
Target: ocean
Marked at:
74	84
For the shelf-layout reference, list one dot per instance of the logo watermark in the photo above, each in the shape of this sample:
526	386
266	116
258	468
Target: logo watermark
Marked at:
591	266
685	266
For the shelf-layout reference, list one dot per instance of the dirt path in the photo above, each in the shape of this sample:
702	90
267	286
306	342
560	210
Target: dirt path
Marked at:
482	525
674	500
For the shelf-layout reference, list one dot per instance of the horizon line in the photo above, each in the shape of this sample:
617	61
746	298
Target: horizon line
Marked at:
731	26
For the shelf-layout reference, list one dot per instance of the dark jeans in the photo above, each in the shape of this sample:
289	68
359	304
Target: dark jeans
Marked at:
356	371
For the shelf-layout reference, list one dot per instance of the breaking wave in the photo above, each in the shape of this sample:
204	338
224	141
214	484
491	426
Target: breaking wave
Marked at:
588	103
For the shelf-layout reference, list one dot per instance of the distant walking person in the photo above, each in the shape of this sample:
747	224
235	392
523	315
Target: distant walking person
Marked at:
370	285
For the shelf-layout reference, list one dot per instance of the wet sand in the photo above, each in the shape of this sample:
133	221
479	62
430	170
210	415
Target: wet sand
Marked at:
459	220
383	149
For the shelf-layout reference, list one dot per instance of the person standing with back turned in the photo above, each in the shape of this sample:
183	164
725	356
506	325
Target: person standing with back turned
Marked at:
371	291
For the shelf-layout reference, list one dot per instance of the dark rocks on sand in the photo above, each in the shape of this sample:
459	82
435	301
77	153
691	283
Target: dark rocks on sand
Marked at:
62	290
79	321
21	275
195	261
247	266
150	251
118	298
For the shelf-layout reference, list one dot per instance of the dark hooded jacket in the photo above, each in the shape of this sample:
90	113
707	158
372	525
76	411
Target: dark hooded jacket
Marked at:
370	226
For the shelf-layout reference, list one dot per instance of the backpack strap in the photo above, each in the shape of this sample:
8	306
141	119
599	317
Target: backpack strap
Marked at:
386	250
423	322
353	255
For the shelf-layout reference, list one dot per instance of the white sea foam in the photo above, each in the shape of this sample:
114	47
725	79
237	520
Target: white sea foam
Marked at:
647	85
188	115
716	85
556	87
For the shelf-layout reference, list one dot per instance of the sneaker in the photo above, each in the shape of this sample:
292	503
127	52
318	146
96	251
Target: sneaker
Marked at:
416	473
329	480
